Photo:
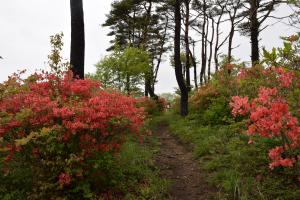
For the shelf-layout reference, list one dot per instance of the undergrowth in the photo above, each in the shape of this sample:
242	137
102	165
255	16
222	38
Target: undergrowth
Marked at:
130	175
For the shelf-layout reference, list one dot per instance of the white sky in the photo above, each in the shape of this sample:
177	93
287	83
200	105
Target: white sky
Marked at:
27	24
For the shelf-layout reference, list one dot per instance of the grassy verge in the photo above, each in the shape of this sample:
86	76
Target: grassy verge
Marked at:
136	164
239	170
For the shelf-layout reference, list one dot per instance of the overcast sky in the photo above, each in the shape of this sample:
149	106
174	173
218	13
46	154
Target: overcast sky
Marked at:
27	24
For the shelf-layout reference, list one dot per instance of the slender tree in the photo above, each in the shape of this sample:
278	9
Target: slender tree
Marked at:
202	27
256	12
77	39
235	18
211	41
187	43
177	60
194	62
219	10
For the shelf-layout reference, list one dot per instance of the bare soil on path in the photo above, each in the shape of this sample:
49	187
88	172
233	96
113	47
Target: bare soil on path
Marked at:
176	164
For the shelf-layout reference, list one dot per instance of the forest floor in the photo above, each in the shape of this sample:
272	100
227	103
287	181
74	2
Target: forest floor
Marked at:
176	164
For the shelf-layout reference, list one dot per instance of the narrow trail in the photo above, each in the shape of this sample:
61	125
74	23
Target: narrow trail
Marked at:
176	164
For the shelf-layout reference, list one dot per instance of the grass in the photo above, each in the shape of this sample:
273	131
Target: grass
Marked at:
239	170
143	180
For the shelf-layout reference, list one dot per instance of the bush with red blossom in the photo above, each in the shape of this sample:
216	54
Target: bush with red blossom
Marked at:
60	130
273	114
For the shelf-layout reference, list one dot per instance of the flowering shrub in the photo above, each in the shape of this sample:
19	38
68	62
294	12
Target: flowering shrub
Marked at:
204	96
151	106
210	102
62	129
270	116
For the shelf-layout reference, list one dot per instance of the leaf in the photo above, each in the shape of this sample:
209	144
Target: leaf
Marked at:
45	131
26	140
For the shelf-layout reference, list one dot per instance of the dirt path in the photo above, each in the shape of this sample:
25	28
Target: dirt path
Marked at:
177	165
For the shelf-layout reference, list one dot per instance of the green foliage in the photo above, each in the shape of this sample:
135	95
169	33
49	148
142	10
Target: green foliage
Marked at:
218	112
123	70
287	56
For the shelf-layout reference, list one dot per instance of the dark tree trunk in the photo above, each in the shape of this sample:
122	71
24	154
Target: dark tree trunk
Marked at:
146	93
150	78
254	45
203	57
178	66
187	46
150	89
195	65
205	50
77	39
211	47
216	54
230	40
233	23
223	7
149	83
254	31
133	28
128	89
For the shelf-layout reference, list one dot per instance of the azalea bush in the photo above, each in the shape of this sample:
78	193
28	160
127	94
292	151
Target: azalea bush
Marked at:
152	106
210	102
59	135
274	114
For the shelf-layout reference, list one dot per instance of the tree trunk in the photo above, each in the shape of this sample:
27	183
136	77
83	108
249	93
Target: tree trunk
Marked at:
254	45
178	66
205	50
150	89
77	39
203	56
254	32
187	46
149	83
146	93
216	54
211	47
195	65
230	40
217	46
128	84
